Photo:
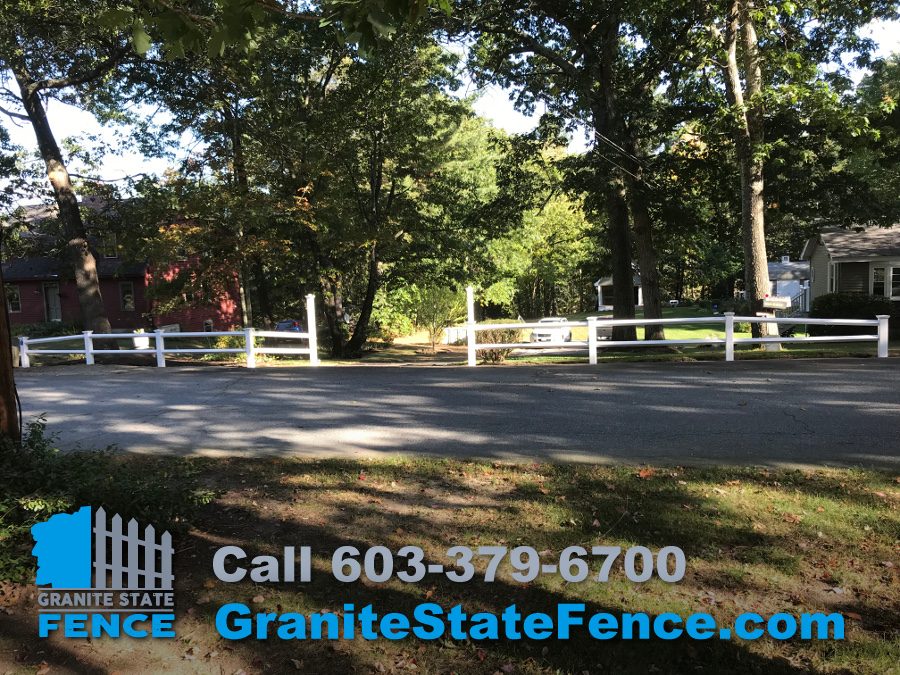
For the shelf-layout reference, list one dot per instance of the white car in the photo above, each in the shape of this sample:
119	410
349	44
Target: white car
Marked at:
554	333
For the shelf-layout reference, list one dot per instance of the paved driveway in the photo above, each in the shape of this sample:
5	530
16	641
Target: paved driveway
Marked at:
777	412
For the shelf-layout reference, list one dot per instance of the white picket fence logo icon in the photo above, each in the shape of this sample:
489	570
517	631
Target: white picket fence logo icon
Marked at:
135	560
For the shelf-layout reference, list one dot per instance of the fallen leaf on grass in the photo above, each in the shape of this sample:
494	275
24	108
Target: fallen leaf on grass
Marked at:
257	599
853	615
646	473
791	518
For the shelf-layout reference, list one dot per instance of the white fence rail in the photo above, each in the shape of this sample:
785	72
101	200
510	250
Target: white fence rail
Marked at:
593	344
160	348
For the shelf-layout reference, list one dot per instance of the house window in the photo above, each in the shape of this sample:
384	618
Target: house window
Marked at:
833	277
878	281
886	281
110	246
13	299
126	294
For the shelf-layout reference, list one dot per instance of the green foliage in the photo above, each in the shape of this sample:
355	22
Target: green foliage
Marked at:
438	307
37	481
498	336
45	329
848	306
391	313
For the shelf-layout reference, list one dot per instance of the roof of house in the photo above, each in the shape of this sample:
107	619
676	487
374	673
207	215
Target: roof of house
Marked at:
869	242
48	268
787	271
608	281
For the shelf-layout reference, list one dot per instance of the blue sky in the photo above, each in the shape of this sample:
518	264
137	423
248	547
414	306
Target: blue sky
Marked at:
493	104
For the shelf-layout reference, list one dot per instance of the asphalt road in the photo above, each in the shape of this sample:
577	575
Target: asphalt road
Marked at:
809	412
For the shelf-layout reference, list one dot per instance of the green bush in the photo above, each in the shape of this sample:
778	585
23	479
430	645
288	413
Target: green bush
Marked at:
44	329
498	336
737	305
848	306
36	481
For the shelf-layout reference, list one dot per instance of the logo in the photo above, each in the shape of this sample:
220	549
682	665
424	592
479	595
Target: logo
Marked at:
99	576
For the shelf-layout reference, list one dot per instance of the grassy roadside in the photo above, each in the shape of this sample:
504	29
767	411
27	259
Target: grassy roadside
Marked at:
762	540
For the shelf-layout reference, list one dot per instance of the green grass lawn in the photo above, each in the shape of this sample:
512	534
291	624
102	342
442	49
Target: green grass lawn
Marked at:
756	539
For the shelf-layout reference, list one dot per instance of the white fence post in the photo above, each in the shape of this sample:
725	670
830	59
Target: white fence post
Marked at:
470	324
311	329
160	349
883	320
729	336
592	340
88	347
24	361
251	347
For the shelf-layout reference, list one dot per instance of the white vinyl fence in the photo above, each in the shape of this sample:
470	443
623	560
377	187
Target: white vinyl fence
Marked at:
160	348
120	566
593	344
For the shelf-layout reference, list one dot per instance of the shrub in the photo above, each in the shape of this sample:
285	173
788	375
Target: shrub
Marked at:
36	482
44	329
498	336
848	306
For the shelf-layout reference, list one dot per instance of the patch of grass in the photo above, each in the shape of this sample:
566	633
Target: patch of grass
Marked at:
37	481
758	540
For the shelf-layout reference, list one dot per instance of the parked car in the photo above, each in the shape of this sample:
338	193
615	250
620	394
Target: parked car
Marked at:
552	334
289	325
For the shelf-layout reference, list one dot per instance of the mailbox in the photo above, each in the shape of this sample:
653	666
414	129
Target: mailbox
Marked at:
777	302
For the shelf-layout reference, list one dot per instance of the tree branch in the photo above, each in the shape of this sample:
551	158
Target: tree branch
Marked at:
14	115
74	80
532	44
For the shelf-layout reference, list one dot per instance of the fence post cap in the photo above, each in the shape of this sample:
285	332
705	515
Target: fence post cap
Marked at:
882	316
728	313
86	332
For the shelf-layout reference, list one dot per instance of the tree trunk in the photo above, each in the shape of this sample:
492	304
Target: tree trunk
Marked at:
748	132
620	250
264	292
9	409
360	332
608	127
77	254
333	310
649	264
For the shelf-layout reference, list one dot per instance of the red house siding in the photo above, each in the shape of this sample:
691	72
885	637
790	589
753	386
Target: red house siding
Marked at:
224	311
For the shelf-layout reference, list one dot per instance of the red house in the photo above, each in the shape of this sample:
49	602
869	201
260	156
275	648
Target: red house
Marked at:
38	290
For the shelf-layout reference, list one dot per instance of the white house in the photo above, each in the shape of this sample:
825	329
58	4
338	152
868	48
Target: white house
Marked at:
856	260
604	288
790	278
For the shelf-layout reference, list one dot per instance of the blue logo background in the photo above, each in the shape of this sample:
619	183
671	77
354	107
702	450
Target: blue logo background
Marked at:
63	549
